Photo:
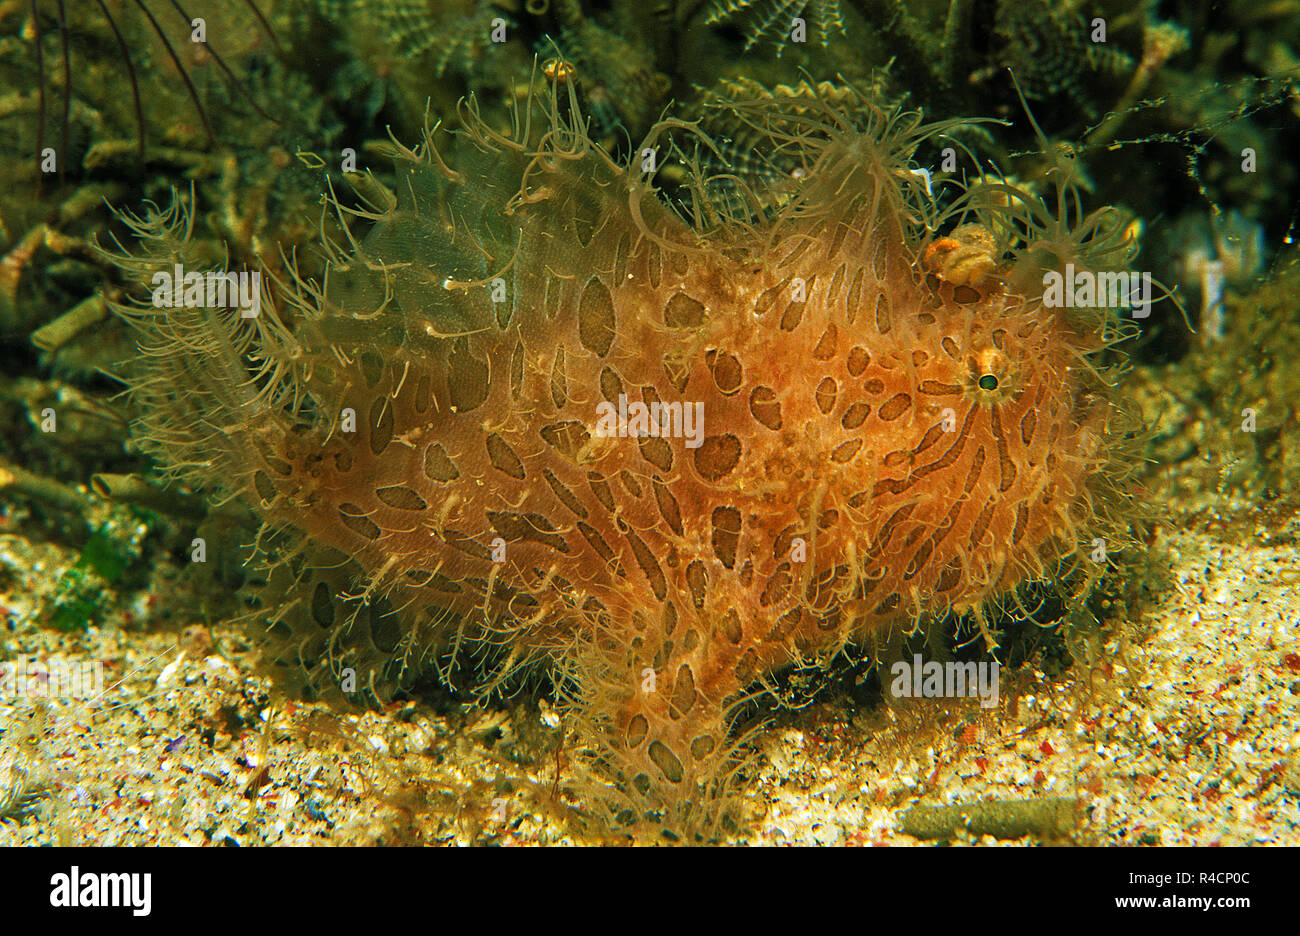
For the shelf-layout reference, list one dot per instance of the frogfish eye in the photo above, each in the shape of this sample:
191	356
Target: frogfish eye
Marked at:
988	382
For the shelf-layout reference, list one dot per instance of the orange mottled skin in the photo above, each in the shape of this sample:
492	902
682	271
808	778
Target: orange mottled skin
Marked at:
886	437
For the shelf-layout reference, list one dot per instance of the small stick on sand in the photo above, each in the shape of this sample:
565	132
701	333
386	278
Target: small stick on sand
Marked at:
1049	817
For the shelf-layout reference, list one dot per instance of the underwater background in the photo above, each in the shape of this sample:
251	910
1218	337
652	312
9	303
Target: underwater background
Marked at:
1150	698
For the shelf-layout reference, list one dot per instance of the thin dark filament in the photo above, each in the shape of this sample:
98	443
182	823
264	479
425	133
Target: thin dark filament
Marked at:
130	70
189	85
229	74
67	87
40	91
266	26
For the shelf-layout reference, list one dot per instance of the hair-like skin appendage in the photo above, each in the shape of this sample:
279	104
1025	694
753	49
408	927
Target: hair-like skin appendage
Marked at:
885	438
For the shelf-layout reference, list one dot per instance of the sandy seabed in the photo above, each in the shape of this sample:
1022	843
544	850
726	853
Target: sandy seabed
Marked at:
1186	734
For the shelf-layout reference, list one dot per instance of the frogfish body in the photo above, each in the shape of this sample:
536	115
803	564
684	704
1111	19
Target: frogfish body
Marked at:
539	418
